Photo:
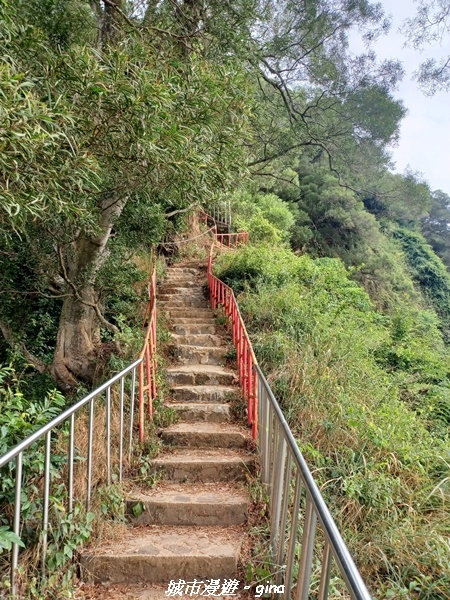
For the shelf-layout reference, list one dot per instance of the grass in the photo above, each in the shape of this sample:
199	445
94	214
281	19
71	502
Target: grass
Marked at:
382	468
70	532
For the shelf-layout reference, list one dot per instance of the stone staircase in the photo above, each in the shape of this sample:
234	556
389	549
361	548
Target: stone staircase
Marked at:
193	525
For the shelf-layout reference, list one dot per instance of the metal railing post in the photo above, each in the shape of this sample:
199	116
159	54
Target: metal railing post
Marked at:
283	517
132	393
48	439
306	555
90	453
16	524
121	407
293	538
108	434
325	572
71	458
277	492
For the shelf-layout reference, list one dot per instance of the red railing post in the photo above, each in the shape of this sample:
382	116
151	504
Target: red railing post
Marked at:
251	415
255	404
147	366
221	294
141	403
148	374
244	366
154	358
239	354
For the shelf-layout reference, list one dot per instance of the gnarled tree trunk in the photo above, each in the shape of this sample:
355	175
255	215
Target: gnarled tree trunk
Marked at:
81	318
78	336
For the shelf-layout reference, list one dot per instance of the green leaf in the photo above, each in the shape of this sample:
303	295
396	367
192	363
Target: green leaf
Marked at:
138	509
8	538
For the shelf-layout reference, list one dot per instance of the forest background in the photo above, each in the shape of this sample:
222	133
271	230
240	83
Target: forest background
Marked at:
118	117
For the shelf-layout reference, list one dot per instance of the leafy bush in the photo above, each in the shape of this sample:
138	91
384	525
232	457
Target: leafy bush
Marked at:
429	272
266	217
367	397
18	417
250	266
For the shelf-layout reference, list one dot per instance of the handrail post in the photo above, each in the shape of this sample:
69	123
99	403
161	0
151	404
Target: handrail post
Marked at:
16	524
255	400
251	413
141	402
48	439
154	365
148	378
306	556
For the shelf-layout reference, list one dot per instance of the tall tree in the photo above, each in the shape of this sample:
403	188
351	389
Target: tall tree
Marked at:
431	24
436	225
329	97
160	132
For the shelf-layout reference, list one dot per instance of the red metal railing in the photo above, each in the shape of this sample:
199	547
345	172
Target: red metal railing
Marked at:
231	240
226	240
222	295
147	367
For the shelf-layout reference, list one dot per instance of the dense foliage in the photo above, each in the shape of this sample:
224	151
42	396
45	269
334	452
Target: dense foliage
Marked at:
117	117
103	145
367	397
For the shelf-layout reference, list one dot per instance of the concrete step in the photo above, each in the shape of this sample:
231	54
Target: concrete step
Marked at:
203	393
204	435
191	412
184	280
177	504
181	294
181	280
181	288
193	329
150	592
197	340
204	355
191	319
183	276
200	375
178	302
181	270
158	554
204	465
190	312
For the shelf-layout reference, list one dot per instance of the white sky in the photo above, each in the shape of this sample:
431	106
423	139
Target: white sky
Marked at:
424	143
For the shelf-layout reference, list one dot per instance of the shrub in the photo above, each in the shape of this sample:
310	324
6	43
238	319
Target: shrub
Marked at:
367	398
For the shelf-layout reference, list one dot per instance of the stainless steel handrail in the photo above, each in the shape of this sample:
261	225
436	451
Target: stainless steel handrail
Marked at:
46	431
283	467
283	471
34	437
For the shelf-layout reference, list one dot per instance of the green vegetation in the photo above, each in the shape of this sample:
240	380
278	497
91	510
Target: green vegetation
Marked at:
367	396
116	119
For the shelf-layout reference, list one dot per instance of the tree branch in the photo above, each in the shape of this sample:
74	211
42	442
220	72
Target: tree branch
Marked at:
40	366
92	305
35	293
181	210
280	153
129	22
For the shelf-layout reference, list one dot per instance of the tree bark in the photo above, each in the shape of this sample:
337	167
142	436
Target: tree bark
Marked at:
79	327
78	336
111	21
